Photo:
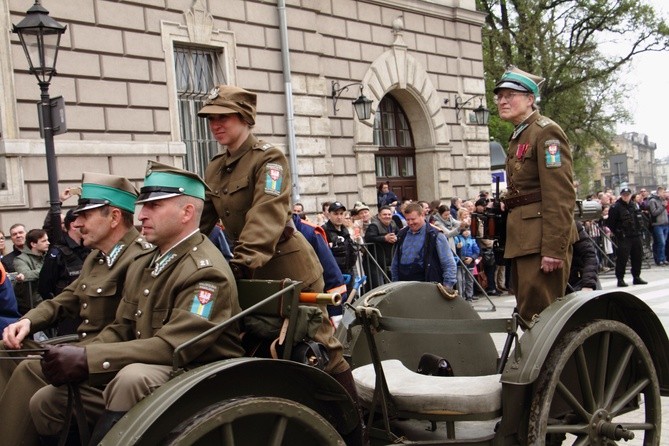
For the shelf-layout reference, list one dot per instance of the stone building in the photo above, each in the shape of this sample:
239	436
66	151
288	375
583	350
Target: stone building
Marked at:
632	164
134	72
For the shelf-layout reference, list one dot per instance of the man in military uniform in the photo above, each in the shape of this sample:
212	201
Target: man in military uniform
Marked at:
250	194
171	295
104	217
540	197
625	223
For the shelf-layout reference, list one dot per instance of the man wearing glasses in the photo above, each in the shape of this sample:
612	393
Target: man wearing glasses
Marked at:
540	196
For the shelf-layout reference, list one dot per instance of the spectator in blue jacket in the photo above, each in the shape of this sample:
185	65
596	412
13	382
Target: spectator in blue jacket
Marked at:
422	253
468	250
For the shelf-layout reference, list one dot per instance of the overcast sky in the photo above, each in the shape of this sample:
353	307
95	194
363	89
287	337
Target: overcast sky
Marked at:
650	98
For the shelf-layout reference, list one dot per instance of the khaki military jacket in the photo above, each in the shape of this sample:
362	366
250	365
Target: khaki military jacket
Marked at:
539	159
167	301
251	196
96	293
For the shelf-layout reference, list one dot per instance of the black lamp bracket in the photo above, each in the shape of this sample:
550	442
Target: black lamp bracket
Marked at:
460	104
337	92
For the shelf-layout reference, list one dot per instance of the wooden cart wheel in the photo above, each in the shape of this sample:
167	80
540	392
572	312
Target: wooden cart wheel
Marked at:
252	420
591	383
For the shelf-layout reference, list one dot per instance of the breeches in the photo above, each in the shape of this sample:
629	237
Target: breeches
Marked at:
534	289
130	385
19	380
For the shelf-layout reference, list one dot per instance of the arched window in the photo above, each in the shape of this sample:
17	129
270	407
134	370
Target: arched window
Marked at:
395	160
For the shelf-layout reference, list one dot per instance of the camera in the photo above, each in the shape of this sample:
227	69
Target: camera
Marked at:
585	210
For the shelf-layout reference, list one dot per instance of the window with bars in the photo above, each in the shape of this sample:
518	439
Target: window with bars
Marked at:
197	71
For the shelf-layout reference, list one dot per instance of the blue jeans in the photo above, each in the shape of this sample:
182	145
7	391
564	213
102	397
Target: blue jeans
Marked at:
660	234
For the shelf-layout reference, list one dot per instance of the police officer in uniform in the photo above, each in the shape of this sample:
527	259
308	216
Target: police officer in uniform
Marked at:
62	265
104	217
171	295
625	223
251	187
540	197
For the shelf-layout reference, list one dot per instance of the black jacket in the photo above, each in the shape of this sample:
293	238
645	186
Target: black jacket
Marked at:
584	263
624	219
342	246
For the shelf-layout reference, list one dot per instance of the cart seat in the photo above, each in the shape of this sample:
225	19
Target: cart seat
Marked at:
423	394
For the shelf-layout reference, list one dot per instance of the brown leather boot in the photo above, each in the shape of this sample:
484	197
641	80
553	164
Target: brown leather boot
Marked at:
358	436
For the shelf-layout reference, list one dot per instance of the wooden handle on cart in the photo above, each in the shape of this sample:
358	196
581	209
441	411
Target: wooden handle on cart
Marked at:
320	298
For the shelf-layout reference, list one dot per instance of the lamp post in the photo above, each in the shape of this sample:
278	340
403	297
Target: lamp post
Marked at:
40	37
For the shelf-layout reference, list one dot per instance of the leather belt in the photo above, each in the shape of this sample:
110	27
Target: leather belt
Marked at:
522	200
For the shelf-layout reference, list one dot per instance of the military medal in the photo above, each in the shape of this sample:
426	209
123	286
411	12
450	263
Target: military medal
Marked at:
553	158
521	150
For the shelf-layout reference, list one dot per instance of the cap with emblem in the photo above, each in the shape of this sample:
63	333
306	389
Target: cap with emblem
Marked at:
625	190
336	206
164	181
519	80
227	99
99	189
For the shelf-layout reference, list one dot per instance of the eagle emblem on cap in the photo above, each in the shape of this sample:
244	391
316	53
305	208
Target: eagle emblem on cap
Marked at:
213	94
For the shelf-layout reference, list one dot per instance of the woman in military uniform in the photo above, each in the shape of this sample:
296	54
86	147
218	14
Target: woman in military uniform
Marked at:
251	187
540	197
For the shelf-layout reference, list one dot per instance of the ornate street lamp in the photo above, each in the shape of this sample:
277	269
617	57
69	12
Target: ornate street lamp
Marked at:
362	105
40	37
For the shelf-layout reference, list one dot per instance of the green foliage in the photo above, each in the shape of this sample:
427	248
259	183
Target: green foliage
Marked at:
581	47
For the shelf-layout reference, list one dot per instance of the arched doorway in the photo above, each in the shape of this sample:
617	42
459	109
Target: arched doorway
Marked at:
395	160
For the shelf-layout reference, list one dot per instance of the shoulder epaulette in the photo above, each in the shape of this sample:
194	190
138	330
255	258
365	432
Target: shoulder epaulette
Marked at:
200	258
141	241
262	145
543	121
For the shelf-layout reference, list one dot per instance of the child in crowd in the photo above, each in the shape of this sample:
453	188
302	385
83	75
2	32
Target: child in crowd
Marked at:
468	250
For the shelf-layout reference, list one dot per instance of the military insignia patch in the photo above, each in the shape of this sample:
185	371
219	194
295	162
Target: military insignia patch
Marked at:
553	158
273	178
203	300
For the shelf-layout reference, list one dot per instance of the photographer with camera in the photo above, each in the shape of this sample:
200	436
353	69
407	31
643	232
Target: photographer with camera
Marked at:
625	223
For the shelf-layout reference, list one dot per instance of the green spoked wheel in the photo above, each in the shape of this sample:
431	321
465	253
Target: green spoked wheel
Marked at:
255	421
598	386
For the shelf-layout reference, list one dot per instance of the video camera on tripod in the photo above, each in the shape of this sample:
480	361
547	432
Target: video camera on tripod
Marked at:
491	223
587	210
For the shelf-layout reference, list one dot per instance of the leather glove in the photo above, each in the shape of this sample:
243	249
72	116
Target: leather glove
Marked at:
64	363
240	271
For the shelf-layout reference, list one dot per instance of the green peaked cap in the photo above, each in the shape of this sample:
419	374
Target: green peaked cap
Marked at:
164	181
99	189
517	79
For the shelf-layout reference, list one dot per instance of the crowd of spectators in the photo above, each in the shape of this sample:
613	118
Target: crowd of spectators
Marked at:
479	257
363	244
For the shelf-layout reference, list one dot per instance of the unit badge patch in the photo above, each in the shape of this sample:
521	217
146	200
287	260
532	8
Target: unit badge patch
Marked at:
273	178
203	300
553	158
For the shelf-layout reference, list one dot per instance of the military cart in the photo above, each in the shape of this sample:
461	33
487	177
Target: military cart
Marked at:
581	374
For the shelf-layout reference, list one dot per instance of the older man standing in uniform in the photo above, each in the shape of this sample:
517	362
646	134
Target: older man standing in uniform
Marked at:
540	197
104	216
171	295
251	187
